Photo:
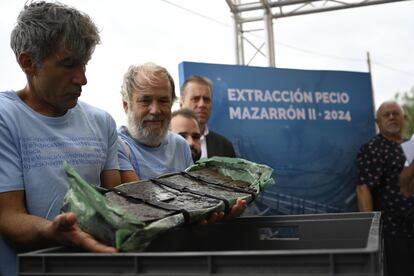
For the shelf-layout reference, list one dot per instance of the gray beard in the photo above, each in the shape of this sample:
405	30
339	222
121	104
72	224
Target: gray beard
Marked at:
144	135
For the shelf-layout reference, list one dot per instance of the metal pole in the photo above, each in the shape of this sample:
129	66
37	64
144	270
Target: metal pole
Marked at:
238	31
236	39
240	42
270	43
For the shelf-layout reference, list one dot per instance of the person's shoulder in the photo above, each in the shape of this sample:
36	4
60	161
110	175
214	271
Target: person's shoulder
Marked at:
10	104
175	138
177	142
373	142
8	96
218	136
126	138
93	111
180	147
377	138
122	131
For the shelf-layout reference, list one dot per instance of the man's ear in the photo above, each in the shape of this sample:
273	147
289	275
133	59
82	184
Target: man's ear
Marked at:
27	64
125	106
376	123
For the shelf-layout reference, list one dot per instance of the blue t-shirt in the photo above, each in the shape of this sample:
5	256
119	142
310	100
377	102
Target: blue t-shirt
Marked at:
173	155
33	148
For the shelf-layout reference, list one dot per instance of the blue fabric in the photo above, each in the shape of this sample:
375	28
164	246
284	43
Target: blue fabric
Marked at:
124	155
33	148
173	155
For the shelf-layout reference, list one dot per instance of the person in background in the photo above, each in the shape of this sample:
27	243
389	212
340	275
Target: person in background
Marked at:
147	97
196	95
42	125
407	177
379	163
185	123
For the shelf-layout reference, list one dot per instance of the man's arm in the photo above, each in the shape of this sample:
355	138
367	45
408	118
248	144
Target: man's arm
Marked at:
128	176
110	178
126	171
364	196
407	180
27	232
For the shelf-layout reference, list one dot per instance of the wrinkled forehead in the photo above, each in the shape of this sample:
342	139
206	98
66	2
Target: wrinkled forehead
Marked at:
158	88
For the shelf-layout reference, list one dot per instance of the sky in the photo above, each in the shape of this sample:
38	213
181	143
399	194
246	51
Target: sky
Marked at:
170	32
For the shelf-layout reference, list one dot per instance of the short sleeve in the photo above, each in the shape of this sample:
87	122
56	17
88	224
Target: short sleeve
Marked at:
370	164
112	160
124	155
11	171
188	156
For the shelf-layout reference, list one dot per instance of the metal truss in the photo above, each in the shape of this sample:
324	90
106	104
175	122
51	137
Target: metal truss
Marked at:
257	16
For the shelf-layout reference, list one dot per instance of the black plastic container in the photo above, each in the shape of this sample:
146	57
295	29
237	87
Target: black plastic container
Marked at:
321	244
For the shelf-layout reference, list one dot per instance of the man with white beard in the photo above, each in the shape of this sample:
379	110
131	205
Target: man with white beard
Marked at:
149	149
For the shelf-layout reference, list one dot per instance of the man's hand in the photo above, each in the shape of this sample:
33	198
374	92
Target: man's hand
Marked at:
236	210
27	232
65	230
407	180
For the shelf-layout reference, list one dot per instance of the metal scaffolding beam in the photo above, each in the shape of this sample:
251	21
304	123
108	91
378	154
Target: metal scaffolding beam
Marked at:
246	12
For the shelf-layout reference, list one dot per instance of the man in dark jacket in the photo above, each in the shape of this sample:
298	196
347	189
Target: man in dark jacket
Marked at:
196	95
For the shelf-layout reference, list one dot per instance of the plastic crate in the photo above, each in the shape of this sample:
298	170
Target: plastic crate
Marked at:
322	244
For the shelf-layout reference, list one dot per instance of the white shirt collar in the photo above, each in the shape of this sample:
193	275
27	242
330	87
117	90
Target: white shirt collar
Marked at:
204	143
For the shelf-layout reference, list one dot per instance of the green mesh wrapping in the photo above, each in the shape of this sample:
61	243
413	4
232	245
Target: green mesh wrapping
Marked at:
131	224
259	176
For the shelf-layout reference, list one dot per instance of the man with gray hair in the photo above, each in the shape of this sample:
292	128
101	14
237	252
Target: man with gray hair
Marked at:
147	96
149	149
380	162
42	125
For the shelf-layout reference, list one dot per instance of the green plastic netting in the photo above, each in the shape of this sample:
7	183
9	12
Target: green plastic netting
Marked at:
130	216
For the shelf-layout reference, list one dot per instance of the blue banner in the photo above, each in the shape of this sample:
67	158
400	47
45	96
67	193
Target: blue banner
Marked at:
306	124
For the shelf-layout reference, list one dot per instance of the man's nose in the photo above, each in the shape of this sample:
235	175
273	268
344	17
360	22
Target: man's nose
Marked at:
155	107
190	140
80	76
201	102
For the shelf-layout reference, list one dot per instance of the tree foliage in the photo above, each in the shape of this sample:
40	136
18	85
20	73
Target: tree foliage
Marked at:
407	101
